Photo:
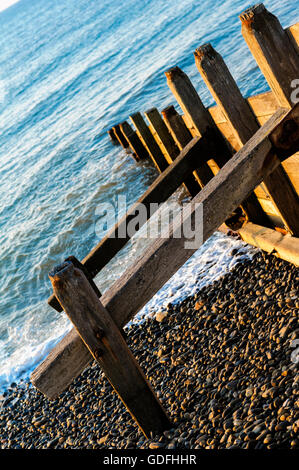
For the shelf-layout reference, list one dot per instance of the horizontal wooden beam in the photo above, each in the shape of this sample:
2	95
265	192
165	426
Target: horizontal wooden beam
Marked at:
234	182
106	344
283	246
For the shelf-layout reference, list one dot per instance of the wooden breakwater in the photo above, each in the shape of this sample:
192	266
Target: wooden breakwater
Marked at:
238	159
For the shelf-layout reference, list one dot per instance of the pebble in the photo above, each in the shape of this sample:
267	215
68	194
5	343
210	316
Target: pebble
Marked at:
160	316
219	361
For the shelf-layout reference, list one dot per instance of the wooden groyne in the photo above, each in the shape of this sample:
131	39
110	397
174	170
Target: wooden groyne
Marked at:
237	160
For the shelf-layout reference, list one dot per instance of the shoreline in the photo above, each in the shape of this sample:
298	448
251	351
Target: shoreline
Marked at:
220	362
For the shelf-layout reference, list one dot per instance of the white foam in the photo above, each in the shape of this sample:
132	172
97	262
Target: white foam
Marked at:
208	264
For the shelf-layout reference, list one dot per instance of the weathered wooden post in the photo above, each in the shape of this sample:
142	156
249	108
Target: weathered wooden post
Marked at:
171	148
182	136
273	142
177	127
190	102
120	137
106	344
273	51
134	141
278	59
113	137
238	113
192	106
149	142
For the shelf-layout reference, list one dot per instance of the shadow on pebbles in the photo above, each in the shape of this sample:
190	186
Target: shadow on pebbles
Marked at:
223	363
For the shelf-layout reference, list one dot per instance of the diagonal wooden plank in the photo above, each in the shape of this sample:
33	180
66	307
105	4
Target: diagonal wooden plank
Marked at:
238	178
159	191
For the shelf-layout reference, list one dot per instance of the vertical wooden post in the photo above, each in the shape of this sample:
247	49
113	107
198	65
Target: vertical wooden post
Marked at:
149	142
120	137
182	137
244	125
278	59
113	137
193	108
272	49
176	126
171	148
226	93
188	99
134	141
106	344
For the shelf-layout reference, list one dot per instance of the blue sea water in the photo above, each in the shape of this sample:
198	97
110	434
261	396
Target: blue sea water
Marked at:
69	70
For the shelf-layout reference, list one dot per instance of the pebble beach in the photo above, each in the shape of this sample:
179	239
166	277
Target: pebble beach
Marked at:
223	362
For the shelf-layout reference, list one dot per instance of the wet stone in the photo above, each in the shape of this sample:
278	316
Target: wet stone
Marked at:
221	367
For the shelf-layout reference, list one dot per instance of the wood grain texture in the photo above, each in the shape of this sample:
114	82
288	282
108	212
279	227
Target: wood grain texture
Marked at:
106	344
238	178
273	51
293	33
271	241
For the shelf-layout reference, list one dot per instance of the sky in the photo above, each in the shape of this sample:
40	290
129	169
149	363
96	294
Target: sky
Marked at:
6	3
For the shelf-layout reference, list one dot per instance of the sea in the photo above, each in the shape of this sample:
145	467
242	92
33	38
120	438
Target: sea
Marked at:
69	71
